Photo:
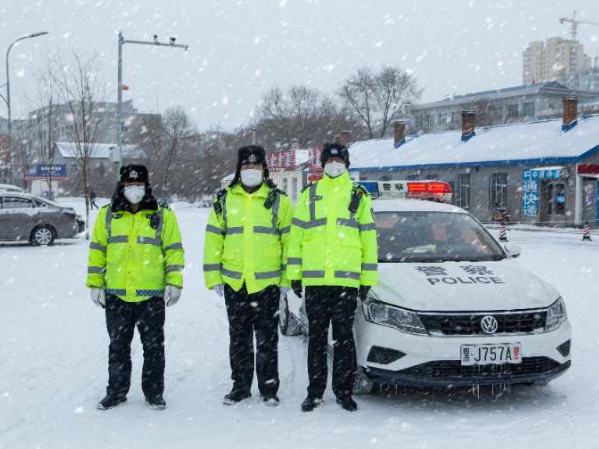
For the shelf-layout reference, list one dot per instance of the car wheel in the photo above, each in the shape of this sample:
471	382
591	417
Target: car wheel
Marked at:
287	321
42	236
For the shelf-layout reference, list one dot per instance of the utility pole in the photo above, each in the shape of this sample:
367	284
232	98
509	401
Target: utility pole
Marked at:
12	157
123	41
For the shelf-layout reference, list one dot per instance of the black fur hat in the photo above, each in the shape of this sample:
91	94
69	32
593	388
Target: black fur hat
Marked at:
250	155
334	150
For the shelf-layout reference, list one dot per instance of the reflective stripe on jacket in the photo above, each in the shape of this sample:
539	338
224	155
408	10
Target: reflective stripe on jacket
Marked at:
133	260
328	244
246	242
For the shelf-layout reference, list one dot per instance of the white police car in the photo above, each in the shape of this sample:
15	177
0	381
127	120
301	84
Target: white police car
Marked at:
452	306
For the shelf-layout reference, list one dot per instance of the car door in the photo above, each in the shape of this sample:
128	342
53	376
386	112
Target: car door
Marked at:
18	217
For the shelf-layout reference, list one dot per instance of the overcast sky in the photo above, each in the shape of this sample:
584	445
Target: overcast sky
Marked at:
239	49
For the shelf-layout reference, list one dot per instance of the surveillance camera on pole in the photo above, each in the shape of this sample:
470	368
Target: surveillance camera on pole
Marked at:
123	41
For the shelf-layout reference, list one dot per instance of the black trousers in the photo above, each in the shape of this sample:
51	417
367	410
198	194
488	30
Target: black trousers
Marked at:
121	319
248	314
336	305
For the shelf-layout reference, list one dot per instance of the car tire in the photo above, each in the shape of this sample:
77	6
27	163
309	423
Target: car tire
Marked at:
43	236
287	321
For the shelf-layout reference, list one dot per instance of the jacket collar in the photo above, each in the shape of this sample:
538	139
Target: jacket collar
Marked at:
120	204
339	180
262	192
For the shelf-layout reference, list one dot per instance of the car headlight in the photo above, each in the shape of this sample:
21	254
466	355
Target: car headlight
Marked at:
556	315
404	320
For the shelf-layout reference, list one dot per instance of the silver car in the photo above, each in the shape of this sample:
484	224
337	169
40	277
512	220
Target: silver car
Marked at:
28	218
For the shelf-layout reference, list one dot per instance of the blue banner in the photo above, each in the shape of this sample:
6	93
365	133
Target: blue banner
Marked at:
51	170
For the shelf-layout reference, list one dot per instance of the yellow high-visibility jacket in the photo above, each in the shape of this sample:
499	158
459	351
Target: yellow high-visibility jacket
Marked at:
134	256
329	245
246	242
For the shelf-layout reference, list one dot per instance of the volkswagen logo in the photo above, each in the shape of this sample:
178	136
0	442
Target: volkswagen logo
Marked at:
489	324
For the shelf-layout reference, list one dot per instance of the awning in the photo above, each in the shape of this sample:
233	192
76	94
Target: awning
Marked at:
549	172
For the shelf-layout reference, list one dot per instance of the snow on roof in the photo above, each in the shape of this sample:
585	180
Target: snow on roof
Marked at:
404	205
100	150
538	142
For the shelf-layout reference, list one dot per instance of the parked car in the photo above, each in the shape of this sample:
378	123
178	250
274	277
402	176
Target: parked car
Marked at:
452	306
10	188
28	218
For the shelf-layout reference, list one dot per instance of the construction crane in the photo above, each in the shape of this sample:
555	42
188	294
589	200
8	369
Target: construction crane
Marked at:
574	24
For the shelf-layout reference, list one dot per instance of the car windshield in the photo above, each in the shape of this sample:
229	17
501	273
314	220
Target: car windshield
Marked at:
433	237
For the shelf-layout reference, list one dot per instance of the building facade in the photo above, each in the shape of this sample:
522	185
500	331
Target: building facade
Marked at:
543	173
495	107
556	59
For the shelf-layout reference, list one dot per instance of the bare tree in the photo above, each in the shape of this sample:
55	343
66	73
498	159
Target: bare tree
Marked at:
46	103
301	113
379	98
170	145
81	93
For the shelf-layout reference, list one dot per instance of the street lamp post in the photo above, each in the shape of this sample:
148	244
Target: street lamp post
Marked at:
123	41
7	99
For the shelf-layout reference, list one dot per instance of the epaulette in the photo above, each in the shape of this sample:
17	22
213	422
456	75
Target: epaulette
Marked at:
310	184
217	203
361	188
272	195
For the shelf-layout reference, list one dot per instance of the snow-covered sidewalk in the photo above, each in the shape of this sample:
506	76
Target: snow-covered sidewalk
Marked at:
53	370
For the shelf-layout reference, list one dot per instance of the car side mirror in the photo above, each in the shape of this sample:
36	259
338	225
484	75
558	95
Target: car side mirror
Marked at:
512	250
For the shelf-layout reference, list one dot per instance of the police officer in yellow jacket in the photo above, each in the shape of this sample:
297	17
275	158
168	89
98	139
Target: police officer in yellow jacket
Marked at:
333	253
245	246
135	268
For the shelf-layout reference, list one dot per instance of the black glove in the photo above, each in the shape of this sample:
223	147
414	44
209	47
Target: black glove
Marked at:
364	289
296	286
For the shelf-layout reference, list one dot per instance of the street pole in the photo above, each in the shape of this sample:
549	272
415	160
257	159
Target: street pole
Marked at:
12	157
121	124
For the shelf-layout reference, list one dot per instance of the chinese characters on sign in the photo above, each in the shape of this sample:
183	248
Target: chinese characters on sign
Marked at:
473	274
530	193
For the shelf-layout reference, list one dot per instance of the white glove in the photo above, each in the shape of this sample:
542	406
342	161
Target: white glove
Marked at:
171	295
284	291
98	297
219	290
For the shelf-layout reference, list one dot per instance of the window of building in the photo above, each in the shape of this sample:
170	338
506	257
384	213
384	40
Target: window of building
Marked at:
555	198
498	191
529	109
432	177
463	191
285	185
512	111
413	177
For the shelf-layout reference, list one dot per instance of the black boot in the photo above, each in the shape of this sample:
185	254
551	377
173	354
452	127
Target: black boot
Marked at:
110	401
156	403
236	396
347	403
310	404
271	400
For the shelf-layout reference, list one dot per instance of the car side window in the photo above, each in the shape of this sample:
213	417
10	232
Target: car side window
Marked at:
13	202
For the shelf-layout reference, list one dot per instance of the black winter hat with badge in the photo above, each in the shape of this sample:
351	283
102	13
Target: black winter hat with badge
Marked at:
250	155
334	150
133	173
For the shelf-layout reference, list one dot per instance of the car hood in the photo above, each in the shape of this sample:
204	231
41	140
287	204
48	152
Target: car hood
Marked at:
463	286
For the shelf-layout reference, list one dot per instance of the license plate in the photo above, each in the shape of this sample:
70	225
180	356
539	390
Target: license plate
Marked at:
496	354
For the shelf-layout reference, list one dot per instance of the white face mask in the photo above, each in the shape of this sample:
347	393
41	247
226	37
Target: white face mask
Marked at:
334	168
134	194
251	177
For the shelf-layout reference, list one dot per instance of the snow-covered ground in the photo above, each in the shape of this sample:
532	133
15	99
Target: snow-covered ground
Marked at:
53	351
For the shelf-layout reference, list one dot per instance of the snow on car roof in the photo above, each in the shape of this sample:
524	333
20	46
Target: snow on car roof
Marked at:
400	205
535	142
